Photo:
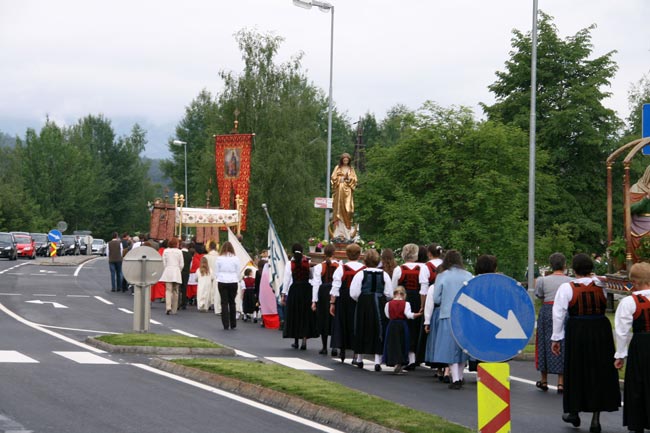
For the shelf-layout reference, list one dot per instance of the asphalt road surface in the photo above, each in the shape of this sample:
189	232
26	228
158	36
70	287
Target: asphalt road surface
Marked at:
51	382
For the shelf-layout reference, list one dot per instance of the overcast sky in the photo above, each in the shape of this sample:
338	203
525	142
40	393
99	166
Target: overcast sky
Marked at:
144	61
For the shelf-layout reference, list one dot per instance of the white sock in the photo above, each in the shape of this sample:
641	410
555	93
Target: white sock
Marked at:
455	372
411	357
377	359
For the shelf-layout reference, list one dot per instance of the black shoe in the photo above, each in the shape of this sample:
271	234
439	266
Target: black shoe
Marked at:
294	345
410	367
335	352
303	347
446	379
595	428
360	364
377	367
323	351
572	418
456	385
113	290
169	311
342	353
254	319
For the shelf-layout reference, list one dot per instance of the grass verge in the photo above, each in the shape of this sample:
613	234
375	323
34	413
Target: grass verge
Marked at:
329	394
158	340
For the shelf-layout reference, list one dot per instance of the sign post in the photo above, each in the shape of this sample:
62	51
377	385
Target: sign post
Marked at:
54	237
142	267
492	319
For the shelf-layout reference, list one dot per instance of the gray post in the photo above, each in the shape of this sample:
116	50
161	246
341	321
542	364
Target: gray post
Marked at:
531	158
141	307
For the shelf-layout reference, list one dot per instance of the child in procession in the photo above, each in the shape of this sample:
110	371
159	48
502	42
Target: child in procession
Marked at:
397	341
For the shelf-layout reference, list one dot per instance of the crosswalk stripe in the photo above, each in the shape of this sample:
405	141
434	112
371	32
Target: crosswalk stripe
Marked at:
15	357
85	358
99	298
187	334
298	364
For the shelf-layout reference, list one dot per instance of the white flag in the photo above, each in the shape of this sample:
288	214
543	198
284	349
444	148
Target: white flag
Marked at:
277	260
240	252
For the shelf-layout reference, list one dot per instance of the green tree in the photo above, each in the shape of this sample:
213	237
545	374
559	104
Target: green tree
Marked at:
18	209
573	125
638	95
451	180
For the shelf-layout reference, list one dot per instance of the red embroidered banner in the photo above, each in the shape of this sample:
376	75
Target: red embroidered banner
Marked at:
233	162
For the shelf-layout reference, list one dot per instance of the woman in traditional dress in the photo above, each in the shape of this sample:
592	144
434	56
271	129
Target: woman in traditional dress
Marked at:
633	314
321	284
300	320
590	379
342	306
432	311
545	289
192	282
388	263
370	288
448	284
411	276
344	182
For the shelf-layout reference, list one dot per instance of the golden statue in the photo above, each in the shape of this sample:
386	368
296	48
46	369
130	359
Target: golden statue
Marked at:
344	182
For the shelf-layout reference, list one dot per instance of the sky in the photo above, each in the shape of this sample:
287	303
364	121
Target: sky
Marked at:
145	61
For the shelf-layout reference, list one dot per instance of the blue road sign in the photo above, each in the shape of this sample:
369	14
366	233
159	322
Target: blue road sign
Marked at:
492	317
54	236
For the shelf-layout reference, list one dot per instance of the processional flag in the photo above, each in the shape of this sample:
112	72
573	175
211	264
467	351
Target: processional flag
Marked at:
277	257
233	163
244	258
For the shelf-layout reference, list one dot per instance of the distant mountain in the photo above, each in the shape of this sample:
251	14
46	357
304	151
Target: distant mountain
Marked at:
155	173
7	140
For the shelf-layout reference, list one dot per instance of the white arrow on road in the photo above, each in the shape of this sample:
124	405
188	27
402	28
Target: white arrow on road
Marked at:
510	327
54	304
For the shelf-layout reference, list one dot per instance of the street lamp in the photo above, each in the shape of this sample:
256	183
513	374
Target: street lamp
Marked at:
178	143
325	7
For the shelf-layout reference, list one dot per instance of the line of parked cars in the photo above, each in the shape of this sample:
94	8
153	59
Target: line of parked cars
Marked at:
31	245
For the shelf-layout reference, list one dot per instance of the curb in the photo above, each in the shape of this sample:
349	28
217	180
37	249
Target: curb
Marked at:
153	350
276	399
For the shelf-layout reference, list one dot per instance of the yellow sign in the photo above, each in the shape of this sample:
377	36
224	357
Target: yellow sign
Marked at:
52	249
493	397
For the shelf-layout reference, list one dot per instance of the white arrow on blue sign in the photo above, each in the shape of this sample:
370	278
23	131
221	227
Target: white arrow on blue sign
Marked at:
54	236
492	317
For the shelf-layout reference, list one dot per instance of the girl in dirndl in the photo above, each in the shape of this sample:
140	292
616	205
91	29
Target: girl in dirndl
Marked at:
397	341
321	284
250	304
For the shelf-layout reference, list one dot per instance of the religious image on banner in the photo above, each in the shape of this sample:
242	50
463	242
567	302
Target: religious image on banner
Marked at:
233	164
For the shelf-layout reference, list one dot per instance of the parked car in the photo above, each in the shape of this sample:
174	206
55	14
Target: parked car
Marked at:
8	246
99	247
42	244
25	245
70	245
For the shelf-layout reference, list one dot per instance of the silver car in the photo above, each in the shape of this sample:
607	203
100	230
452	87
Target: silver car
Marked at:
99	247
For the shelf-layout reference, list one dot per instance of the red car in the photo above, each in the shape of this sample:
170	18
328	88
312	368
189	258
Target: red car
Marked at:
26	245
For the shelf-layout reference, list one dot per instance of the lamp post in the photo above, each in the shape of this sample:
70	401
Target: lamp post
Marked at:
325	7
178	143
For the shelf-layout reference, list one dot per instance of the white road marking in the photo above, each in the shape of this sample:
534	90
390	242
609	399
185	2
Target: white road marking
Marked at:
100	299
12	268
76	272
85	358
15	357
298	364
47	331
155	322
8	425
44	294
78	296
80	330
244	354
39	302
124	310
240	399
187	334
10	294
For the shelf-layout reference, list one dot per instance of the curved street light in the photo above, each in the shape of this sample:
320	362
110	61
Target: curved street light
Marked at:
325	7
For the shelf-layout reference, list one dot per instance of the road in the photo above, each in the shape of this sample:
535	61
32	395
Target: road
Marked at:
62	386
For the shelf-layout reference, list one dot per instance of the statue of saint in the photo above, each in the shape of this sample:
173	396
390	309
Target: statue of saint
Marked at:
344	182
640	208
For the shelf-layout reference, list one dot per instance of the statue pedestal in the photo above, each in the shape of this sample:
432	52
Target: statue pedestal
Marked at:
339	254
